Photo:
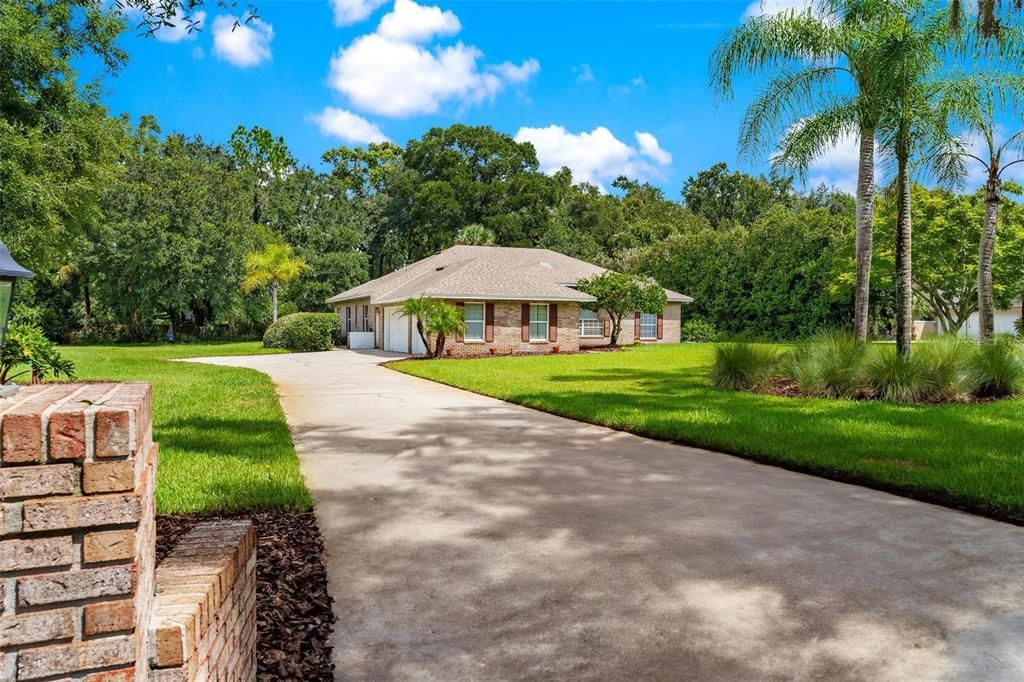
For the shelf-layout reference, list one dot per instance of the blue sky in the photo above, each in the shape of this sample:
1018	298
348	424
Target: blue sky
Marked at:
604	87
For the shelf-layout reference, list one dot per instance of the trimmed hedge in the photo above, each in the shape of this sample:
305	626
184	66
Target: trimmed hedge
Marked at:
303	332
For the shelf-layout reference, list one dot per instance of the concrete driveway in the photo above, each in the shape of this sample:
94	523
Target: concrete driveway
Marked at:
471	539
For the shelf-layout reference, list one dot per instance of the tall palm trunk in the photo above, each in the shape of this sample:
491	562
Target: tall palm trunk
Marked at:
865	228
904	267
986	313
273	298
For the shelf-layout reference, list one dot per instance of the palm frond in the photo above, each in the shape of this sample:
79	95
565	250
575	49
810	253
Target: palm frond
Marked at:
769	41
809	138
781	102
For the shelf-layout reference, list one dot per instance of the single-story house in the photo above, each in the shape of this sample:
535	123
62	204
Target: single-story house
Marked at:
513	300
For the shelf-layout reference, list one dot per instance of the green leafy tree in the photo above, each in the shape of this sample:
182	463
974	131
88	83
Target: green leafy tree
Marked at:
733	198
264	157
271	268
58	145
620	294
327	228
947	229
176	232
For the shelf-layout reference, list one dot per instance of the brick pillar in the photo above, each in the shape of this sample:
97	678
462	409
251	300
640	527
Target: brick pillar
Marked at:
77	531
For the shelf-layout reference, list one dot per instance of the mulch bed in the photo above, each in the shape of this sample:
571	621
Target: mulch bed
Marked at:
787	387
293	608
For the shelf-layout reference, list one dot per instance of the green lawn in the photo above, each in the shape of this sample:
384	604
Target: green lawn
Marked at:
224	444
970	456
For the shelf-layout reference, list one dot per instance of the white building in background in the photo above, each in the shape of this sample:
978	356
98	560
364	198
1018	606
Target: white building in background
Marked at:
1005	321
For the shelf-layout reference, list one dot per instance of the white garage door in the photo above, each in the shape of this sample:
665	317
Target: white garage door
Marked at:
396	333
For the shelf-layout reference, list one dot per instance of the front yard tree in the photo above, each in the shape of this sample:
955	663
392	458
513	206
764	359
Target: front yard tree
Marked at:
435	320
272	267
619	295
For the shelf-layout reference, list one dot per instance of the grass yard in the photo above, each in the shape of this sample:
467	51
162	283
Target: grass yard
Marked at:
224	444
964	455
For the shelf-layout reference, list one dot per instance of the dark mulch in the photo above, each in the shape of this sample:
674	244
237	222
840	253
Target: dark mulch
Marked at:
781	386
293	609
787	387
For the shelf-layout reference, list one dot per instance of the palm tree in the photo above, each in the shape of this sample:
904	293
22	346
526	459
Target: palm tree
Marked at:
814	53
912	131
977	102
434	320
446	319
475	234
273	266
419	309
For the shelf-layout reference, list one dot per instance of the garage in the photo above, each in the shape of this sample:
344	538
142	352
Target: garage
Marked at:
397	330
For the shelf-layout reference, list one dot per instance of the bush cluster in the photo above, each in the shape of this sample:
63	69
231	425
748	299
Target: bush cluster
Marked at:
303	332
834	364
699	330
743	366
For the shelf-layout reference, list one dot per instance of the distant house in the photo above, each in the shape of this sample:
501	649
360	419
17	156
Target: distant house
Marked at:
1005	322
513	301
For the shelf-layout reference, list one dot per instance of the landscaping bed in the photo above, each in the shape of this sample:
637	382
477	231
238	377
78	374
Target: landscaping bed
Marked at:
293	609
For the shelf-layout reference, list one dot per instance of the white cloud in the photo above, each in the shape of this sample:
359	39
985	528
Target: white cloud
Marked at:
388	73
414	23
650	148
244	44
179	28
584	74
595	157
348	12
837	166
348	126
517	73
760	8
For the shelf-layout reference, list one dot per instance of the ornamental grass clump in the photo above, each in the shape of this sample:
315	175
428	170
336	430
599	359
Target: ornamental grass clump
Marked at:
947	364
889	375
829	364
997	368
743	366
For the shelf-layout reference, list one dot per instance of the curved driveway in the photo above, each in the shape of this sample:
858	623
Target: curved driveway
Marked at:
471	539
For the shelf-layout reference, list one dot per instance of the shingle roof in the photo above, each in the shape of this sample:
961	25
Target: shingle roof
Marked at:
485	272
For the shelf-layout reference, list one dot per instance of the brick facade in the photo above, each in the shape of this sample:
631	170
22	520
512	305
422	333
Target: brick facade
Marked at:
77	532
204	616
671	329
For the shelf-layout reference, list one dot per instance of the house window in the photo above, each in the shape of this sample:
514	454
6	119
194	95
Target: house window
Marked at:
366	318
590	325
348	318
538	322
474	322
648	325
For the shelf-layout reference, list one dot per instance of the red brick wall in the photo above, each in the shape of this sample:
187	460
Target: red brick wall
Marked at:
77	475
204	615
77	542
508	333
670	329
